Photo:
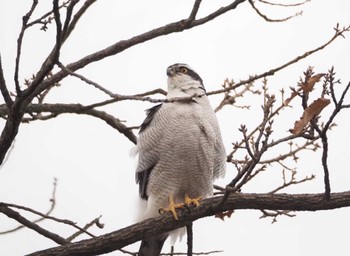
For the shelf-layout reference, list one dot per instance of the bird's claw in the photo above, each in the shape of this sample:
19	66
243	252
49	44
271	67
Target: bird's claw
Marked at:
171	208
187	204
192	201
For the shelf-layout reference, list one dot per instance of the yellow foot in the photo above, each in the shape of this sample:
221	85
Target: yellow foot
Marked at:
192	201
172	207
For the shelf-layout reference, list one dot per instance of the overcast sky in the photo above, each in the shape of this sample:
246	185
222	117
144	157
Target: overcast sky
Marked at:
91	160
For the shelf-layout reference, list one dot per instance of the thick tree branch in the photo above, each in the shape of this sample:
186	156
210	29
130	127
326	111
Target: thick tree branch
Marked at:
118	239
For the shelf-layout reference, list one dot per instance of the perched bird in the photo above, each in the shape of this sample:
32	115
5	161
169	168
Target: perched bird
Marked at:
180	150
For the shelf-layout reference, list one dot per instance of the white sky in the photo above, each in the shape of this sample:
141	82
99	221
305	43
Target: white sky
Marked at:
91	161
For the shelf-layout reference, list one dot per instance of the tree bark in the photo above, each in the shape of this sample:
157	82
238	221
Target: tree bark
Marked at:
120	238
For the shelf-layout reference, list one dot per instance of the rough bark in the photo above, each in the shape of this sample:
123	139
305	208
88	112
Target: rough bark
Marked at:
120	238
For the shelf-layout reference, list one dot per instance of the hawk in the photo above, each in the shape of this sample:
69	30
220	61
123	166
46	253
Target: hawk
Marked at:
180	150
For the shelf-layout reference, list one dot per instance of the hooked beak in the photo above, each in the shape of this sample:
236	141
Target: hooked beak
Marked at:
170	71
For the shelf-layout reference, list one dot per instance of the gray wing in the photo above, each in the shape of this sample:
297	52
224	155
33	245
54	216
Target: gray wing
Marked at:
143	173
150	114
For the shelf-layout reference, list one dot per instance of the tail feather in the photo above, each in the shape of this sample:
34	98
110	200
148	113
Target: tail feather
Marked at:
152	246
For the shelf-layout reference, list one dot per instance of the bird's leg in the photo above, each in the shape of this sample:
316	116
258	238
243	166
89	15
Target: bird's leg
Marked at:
195	201
172	207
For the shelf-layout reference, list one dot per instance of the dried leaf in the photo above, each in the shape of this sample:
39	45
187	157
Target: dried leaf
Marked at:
222	215
310	112
286	102
307	87
310	83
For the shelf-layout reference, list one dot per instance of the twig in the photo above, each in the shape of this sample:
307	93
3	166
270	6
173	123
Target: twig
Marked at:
5	93
68	18
76	18
25	20
284	5
194	253
86	80
125	44
40	20
29	224
292	182
32	225
42	216
269	19
275	214
271	72
85	228
323	131
195	9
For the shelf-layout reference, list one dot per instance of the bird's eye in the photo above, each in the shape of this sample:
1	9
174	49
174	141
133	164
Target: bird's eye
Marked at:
183	70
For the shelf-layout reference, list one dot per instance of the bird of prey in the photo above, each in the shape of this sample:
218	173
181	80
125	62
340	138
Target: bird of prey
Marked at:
180	150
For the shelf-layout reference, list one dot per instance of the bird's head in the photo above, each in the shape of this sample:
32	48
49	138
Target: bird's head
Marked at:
183	81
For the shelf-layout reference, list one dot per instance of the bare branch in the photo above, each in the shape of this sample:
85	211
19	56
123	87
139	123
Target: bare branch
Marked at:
47	16
164	223
25	20
58	109
42	216
195	9
274	214
85	228
76	18
17	111
292	181
86	80
269	19
118	47
338	33
29	224
284	5
68	18
194	253
3	88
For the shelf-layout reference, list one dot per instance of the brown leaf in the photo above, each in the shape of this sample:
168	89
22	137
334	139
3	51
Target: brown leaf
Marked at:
222	215
310	112
306	87
309	85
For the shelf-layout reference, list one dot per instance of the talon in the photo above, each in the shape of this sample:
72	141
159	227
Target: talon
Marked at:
171	208
192	201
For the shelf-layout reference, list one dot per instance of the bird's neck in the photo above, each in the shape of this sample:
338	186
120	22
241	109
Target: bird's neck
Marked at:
189	89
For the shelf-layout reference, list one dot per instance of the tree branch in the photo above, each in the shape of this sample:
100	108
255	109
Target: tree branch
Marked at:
195	9
338	33
76	18
122	45
164	223
57	109
4	91
42	216
29	224
25	97
25	20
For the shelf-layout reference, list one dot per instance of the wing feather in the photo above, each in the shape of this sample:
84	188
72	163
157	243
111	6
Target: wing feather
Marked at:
147	158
